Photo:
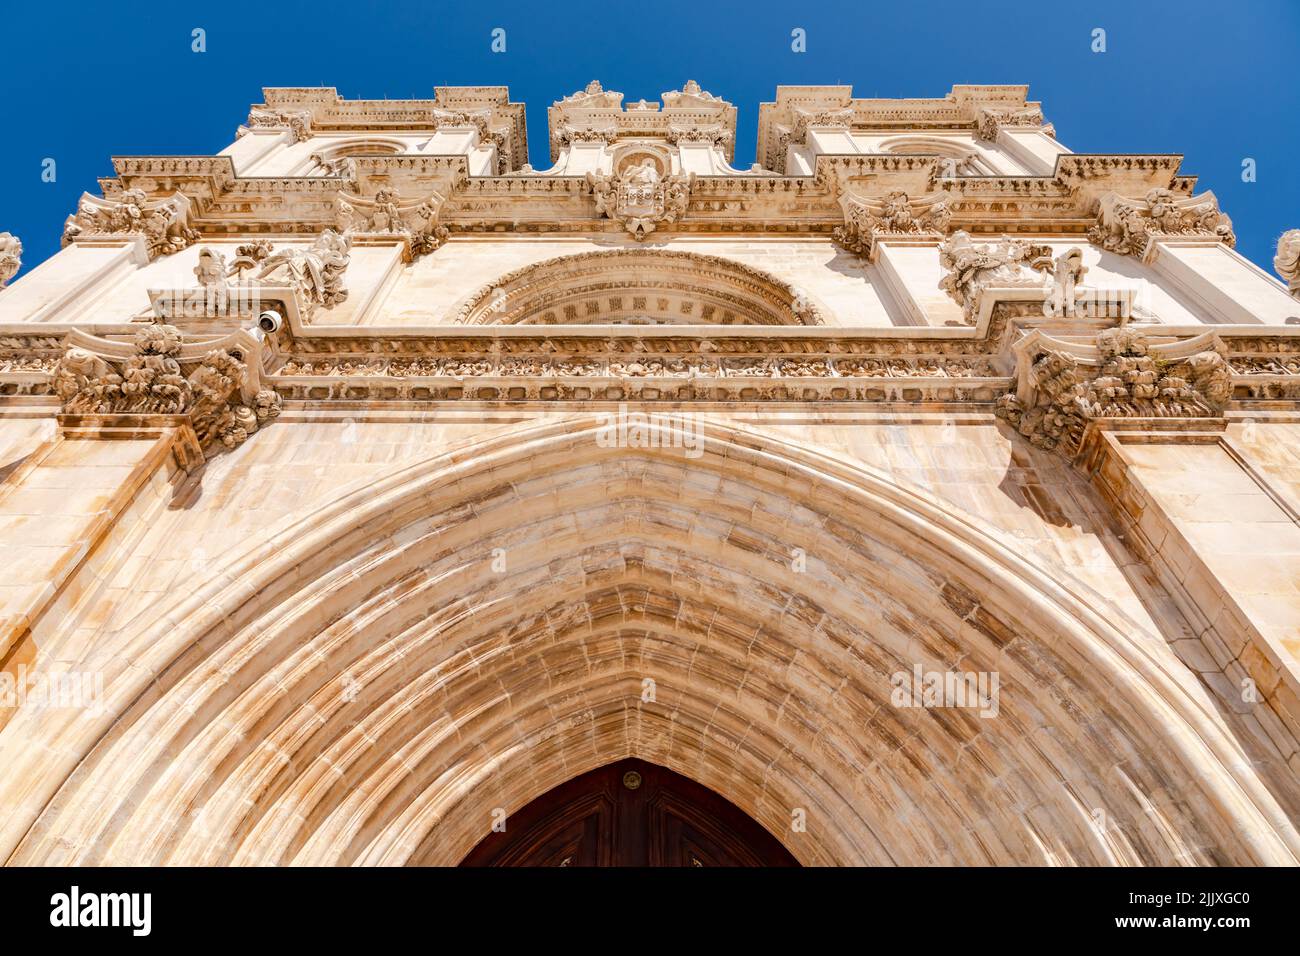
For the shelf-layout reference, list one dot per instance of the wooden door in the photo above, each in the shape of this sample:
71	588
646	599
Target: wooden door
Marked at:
630	813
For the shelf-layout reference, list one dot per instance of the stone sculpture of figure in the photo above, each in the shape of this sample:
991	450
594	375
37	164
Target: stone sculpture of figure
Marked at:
644	173
1067	274
386	217
316	271
970	267
212	272
11	257
1287	260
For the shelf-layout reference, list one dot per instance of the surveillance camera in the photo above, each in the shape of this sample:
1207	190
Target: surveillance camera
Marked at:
270	321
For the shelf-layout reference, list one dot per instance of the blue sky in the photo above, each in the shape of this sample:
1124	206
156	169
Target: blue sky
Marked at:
1216	82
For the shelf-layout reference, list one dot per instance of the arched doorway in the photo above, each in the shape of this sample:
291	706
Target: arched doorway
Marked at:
630	813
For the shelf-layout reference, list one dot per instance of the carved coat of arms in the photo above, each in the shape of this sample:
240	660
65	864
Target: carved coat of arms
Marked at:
640	198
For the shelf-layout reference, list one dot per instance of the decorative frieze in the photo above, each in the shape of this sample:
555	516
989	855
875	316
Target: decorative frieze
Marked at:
1062	386
216	388
11	257
1131	227
164	224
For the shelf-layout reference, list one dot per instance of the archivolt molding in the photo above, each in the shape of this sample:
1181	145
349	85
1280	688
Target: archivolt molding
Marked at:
659	285
773	685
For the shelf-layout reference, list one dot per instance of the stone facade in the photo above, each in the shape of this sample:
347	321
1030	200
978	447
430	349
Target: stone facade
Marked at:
362	480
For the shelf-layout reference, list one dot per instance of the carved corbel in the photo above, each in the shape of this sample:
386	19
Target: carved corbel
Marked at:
1131	227
1063	386
214	387
1286	262
566	134
866	221
163	224
11	257
714	134
386	213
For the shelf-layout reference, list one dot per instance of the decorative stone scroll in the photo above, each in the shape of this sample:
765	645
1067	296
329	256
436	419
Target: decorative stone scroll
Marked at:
992	118
296	122
164	224
868	220
640	198
1286	262
11	257
1131	227
1061	386
972	268
386	213
217	388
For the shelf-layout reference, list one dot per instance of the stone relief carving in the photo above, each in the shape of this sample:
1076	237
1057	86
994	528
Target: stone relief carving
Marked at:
1131	226
594	96
691	96
11	257
1286	262
1067	278
388	213
151	381
297	122
640	198
868	220
163	223
972	267
1059	391
992	118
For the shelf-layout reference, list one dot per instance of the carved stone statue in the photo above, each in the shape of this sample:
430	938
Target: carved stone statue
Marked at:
971	268
11	257
317	272
1286	262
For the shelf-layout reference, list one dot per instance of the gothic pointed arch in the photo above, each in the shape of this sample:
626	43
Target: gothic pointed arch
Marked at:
367	685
